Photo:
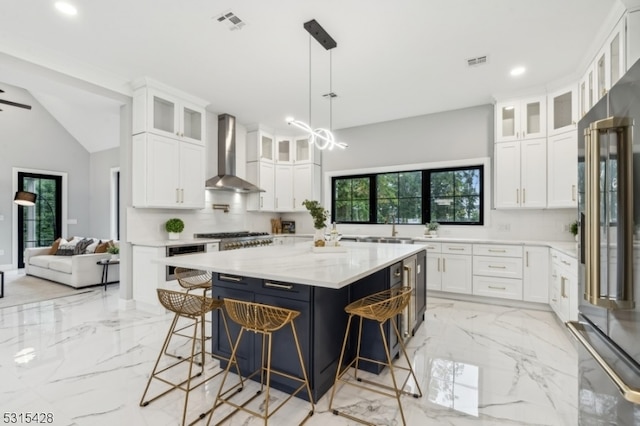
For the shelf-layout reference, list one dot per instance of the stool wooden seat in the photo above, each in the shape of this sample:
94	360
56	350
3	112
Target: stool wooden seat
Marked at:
190	280
263	319
380	307
192	307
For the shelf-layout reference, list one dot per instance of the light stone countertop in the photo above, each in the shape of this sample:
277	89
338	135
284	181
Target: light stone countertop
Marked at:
180	242
297	263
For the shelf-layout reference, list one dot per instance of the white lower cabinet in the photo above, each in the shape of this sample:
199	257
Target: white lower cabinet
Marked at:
497	271
563	286
167	173
536	274
449	267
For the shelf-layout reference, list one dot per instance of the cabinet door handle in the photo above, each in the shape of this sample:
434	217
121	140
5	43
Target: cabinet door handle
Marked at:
497	288
261	201
444	265
497	267
517	196
573	192
182	195
397	273
565	262
562	281
497	250
230	278
526	258
523	196
438	264
280	286
177	195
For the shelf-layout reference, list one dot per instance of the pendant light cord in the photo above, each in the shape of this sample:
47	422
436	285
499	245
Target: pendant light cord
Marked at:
330	91
310	81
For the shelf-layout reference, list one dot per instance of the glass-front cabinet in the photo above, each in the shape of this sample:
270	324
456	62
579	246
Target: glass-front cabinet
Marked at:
563	110
521	119
305	151
283	150
164	114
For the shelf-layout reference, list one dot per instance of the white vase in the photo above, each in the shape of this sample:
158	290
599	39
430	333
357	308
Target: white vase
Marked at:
318	235
174	235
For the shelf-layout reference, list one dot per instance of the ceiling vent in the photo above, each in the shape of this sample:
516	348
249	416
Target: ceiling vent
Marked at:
480	60
231	20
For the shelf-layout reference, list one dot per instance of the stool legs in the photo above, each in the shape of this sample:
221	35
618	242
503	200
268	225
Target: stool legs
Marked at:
265	372
396	390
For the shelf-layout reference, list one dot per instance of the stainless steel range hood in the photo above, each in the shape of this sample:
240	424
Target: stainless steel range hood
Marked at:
227	179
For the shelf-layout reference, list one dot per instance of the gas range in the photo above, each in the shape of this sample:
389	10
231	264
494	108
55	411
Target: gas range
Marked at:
238	240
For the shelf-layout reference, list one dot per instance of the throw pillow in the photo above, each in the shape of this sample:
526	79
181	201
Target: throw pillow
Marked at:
82	245
55	245
102	247
66	249
92	247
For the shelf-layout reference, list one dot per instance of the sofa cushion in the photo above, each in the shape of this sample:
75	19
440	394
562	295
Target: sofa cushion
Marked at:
66	250
91	248
54	246
61	264
42	261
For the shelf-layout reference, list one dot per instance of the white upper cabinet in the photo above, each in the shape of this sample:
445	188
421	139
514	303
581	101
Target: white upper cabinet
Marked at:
284	151
306	152
586	91
261	146
616	46
521	119
563	111
521	174
562	154
167	112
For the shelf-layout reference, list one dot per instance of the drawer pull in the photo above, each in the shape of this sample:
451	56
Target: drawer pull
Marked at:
397	273
280	286
565	262
497	250
230	278
456	248
497	288
431	247
497	267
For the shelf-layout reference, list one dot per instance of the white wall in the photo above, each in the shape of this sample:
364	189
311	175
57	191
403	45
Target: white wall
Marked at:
100	207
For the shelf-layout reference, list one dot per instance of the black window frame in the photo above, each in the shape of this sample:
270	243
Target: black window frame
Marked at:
425	200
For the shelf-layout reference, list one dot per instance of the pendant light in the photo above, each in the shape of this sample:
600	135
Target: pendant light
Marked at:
321	137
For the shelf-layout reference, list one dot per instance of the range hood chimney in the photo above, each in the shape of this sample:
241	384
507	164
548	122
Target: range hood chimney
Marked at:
227	179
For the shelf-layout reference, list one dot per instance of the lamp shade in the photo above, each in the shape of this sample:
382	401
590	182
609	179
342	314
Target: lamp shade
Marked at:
24	198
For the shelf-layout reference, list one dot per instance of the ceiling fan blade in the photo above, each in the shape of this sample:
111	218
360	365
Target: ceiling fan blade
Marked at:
15	104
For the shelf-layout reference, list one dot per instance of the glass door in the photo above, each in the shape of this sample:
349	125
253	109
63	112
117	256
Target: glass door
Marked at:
39	225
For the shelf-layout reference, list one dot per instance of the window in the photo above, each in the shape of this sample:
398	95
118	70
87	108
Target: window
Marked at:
452	196
455	195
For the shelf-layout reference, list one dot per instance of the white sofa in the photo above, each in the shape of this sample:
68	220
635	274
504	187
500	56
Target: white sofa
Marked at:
80	270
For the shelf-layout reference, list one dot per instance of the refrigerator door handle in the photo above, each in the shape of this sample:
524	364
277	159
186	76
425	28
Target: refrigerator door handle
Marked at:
623	297
629	393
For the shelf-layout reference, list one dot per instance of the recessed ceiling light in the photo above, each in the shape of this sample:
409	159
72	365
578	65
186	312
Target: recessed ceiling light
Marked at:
517	71
66	8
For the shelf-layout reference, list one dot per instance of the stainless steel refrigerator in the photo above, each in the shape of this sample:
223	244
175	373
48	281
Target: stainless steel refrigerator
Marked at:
608	326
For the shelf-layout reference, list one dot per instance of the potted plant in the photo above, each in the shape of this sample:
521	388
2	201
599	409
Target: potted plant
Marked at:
114	251
432	228
574	229
174	227
320	216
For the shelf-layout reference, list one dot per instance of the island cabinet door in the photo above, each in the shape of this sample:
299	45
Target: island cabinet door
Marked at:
221	345
284	356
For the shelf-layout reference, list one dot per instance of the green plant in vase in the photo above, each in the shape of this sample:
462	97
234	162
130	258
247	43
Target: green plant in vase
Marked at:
319	215
174	227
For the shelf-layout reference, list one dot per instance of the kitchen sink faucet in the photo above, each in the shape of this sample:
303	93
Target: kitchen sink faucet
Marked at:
391	218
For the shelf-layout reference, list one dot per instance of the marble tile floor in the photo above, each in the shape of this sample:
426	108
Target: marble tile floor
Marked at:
87	362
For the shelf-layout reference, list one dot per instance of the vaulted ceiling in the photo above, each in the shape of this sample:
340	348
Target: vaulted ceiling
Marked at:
394	59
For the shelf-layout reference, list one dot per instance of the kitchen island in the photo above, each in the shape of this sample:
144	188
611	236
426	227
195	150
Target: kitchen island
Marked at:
319	285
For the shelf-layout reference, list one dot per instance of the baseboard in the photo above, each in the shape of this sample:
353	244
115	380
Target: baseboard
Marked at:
126	304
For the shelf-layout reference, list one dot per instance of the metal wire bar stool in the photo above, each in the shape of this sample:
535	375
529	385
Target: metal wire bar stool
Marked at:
263	319
192	307
190	280
381	307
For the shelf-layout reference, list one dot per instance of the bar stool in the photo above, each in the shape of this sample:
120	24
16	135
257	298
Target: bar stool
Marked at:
190	280
266	320
192	307
381	307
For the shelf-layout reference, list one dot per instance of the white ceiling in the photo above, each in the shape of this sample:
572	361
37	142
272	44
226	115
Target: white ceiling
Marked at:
394	59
